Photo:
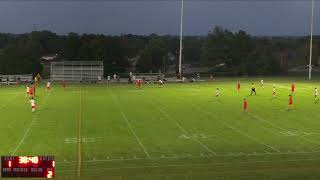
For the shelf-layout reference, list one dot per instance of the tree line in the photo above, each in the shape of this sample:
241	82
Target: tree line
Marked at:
225	52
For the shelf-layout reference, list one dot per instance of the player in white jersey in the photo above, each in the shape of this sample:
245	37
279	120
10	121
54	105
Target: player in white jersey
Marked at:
316	94
274	95
160	82
48	87
217	92
33	104
27	91
261	83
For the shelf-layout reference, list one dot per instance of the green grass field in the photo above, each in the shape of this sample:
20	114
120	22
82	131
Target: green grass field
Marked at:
180	131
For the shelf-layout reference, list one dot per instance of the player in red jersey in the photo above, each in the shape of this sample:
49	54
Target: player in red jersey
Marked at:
290	106
34	89
31	92
238	86
63	84
139	83
245	106
292	88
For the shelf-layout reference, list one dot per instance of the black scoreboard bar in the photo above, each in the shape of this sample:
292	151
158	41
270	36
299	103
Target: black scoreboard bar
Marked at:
27	166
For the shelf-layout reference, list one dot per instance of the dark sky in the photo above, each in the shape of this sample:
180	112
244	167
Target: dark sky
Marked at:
162	17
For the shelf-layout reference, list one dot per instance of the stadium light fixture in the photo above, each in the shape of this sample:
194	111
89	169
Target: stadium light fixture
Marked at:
311	36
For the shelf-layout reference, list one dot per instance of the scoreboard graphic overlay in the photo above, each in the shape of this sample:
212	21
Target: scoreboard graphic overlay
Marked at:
27	166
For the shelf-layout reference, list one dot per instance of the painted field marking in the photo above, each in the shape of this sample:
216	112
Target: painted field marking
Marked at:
188	156
124	117
195	164
76	140
233	128
183	130
282	129
29	127
242	133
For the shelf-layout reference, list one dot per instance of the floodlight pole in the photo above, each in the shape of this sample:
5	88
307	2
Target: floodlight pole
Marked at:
311	36
181	31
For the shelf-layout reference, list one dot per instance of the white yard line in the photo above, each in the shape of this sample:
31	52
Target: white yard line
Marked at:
184	130
195	164
129	125
236	130
281	128
240	132
192	156
29	127
79	136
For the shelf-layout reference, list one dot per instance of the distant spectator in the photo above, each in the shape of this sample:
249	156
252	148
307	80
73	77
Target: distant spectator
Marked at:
118	78
108	78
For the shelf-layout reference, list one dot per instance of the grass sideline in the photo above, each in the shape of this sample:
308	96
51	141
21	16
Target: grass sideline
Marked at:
180	131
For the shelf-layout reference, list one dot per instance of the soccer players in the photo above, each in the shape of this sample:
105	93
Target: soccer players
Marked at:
253	89
31	91
27	91
316	93
290	106
217	93
108	78
33	104
261	83
210	78
292	88
48	87
274	92
245	106
139	83
238	86
63	84
160	82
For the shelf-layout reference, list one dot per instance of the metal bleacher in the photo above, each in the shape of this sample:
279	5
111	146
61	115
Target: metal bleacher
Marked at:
76	71
13	79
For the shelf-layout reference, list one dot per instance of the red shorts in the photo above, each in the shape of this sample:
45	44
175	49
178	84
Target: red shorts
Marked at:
33	107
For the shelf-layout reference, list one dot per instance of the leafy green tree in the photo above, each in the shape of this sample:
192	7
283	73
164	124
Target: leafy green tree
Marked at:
152	56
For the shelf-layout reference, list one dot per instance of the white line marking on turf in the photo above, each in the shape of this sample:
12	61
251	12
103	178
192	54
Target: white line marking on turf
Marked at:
129	125
234	129
29	127
242	133
79	135
190	165
188	156
135	135
185	131
281	128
